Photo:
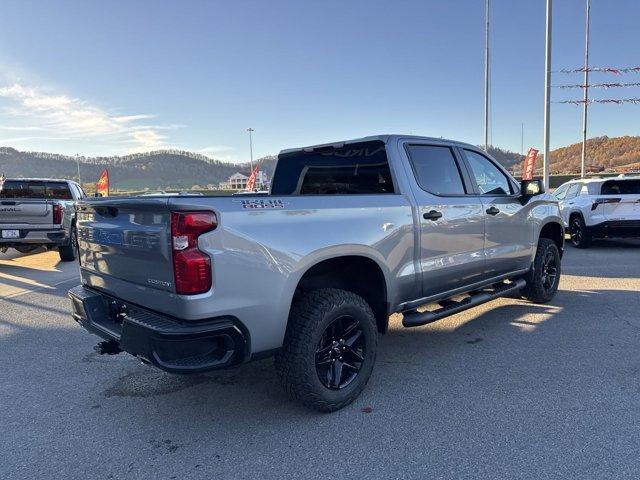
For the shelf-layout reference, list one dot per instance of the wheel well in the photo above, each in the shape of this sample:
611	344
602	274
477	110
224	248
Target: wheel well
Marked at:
356	274
554	231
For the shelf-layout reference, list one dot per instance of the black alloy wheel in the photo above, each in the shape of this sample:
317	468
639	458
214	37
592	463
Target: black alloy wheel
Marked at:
580	237
340	352
549	271
575	230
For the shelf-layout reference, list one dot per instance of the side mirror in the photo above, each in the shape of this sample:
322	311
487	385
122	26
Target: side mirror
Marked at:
531	188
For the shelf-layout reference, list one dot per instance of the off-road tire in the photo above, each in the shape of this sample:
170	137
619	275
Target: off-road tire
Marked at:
68	253
580	237
310	316
536	291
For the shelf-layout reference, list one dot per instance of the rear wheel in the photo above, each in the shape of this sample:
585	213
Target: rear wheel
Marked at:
68	253
329	349
580	238
544	277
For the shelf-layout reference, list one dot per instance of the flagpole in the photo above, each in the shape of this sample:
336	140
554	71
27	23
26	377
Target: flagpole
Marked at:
585	105
250	130
547	94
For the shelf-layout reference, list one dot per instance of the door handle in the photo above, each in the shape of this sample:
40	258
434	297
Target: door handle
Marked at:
493	211
432	215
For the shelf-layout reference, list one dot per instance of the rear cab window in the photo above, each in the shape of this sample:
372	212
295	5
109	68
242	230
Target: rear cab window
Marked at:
36	189
360	168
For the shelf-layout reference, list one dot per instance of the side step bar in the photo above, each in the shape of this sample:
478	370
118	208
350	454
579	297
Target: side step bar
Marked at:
413	318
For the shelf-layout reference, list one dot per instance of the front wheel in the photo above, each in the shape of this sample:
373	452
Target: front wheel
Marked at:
544	276
329	349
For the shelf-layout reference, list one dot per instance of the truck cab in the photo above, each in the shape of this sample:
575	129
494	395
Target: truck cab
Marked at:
39	212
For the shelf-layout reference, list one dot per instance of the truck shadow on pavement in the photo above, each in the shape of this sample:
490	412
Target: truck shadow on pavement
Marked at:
503	343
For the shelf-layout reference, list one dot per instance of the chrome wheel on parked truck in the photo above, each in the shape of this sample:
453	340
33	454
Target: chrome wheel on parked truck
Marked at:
329	349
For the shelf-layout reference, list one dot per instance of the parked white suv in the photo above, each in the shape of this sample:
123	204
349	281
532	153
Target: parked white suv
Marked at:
600	208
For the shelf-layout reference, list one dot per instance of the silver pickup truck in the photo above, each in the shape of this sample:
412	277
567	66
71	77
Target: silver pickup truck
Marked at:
350	233
38	212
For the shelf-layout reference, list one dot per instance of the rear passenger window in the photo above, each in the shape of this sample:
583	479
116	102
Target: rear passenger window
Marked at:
436	169
621	187
354	169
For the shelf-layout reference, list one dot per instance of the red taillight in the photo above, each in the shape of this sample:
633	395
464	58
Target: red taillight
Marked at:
191	267
57	214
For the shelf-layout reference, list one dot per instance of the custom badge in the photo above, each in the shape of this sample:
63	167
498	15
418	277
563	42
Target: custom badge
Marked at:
262	204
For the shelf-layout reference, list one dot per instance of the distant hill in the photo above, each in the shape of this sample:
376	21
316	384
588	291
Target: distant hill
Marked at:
506	157
167	169
161	169
601	151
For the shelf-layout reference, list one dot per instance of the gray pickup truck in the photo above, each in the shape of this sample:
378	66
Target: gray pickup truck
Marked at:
38	212
350	233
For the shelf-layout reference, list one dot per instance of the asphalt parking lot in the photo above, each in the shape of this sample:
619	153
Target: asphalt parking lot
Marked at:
505	390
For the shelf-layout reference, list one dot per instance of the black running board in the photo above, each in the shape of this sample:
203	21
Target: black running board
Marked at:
413	318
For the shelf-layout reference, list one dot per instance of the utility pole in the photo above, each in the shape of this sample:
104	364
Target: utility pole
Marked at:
486	76
547	94
522	138
78	165
250	130
585	106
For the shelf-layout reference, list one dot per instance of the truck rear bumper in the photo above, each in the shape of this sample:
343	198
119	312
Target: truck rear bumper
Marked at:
55	237
169	344
616	228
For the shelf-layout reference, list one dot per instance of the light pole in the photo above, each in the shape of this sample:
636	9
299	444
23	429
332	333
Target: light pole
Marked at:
585	106
250	130
78	165
547	94
486	76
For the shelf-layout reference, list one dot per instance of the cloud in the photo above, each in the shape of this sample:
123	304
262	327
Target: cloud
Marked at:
62	116
215	149
29	139
26	128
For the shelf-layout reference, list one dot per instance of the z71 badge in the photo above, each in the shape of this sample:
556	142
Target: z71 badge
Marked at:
262	204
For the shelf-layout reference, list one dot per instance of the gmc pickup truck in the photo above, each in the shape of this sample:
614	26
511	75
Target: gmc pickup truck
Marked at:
350	233
38	212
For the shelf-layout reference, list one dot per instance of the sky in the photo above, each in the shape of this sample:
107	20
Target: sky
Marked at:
115	77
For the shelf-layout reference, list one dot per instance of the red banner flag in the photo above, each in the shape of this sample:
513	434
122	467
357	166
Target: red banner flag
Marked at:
102	186
251	183
529	164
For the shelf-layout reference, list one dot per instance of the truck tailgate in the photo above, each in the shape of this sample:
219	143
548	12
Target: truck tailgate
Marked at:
34	212
129	239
